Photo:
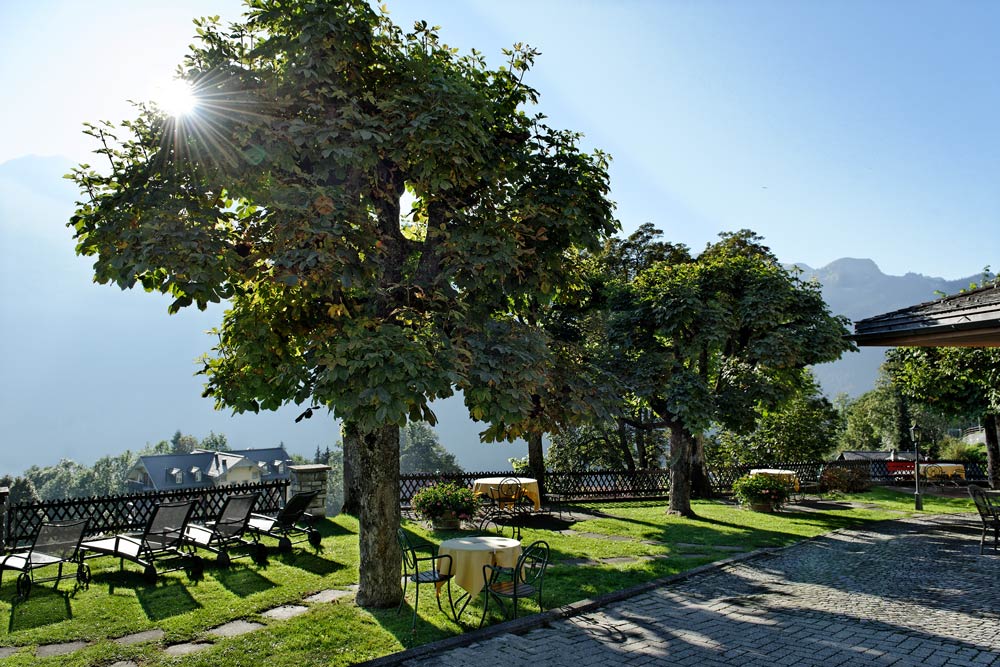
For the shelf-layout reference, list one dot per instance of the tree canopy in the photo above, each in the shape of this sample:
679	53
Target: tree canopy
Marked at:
715	338
958	381
282	192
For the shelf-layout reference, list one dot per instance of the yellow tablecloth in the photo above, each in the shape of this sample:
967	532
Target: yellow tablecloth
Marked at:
486	485
942	470
787	476
470	554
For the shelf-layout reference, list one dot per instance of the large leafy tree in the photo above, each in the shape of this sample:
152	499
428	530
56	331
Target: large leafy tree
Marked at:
282	195
803	427
958	381
421	451
715	338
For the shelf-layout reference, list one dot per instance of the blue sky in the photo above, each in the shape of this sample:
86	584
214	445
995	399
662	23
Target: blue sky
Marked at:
833	129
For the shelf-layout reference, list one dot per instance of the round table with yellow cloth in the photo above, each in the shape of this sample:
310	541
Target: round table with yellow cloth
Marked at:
489	485
470	554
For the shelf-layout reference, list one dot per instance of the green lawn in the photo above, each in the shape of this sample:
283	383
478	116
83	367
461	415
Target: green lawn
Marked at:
119	603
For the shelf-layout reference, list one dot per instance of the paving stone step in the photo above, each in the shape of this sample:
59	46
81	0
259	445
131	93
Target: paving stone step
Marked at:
50	650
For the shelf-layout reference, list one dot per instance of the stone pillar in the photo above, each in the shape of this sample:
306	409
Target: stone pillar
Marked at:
311	477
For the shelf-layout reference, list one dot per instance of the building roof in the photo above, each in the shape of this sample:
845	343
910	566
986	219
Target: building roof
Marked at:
863	455
968	319
159	466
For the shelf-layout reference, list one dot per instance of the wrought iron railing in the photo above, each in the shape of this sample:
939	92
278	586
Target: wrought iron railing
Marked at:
645	484
118	513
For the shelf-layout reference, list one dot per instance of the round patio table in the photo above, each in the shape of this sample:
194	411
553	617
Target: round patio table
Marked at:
489	485
468	557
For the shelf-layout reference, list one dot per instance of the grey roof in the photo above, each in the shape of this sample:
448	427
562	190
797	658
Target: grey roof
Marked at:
158	466
968	319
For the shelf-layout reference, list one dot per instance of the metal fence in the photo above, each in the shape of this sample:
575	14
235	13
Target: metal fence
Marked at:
118	513
647	484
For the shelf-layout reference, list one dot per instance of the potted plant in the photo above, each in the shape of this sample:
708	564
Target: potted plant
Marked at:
761	493
445	504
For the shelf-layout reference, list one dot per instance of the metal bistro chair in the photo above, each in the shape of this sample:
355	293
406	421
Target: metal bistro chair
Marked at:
510	506
524	581
412	572
989	514
55	543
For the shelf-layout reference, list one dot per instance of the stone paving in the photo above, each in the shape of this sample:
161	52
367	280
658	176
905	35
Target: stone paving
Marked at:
901	593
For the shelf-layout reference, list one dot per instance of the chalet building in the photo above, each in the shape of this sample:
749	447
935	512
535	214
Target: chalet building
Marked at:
203	468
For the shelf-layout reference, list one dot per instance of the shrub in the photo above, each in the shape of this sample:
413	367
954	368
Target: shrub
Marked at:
954	449
437	501
845	480
755	489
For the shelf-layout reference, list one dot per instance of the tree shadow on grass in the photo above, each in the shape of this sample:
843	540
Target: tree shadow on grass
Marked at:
243	581
44	606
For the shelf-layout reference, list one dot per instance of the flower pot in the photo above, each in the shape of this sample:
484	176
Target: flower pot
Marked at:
762	506
447	521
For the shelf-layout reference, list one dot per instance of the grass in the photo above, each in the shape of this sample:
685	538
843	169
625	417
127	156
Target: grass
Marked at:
120	603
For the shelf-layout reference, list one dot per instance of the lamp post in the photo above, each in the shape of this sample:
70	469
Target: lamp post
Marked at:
918	503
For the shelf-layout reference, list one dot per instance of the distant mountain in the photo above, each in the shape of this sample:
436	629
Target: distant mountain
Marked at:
858	289
90	370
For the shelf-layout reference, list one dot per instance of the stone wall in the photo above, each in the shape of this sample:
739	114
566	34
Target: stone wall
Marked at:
312	477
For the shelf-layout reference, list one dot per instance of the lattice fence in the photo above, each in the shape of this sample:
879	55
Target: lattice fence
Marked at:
129	512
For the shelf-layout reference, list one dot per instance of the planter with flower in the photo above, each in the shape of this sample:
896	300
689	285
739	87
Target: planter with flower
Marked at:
445	505
761	493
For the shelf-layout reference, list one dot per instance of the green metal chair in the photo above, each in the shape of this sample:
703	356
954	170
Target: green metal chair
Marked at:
523	581
431	574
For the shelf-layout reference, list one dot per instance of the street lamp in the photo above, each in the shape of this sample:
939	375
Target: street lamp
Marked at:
918	503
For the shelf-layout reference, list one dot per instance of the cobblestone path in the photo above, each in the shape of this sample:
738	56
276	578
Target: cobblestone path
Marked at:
907	592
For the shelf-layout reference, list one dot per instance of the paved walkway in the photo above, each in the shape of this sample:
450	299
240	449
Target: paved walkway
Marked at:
906	592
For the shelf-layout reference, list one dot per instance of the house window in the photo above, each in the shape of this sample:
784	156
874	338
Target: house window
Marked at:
278	466
178	475
196	473
263	467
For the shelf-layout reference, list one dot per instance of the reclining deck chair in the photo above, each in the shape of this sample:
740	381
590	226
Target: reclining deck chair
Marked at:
227	531
162	539
291	520
55	543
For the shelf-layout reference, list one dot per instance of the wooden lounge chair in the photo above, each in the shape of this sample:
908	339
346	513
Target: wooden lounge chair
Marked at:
161	540
56	543
228	531
291	521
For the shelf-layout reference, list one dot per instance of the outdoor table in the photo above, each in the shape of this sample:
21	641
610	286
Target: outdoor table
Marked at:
468	557
787	476
943	470
486	485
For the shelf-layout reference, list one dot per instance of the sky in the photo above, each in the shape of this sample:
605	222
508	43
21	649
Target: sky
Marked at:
841	129
847	129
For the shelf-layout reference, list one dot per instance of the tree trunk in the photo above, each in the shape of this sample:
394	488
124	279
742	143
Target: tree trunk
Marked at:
640	446
680	471
992	451
352	471
701	486
623	446
379	584
536	459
